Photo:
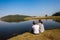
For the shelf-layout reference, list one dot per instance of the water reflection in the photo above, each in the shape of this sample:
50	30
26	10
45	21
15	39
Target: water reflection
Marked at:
8	29
13	21
56	20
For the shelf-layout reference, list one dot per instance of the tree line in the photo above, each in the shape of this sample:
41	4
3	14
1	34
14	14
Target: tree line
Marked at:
56	14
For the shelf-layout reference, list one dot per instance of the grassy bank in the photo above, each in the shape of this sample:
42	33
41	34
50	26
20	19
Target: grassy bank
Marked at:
53	34
43	17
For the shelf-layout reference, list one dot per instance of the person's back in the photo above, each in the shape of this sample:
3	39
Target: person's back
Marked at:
41	25
35	29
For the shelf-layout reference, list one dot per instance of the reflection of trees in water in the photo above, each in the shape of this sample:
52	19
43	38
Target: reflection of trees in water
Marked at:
46	19
56	20
12	20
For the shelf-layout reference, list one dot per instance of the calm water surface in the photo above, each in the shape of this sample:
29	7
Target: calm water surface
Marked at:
10	29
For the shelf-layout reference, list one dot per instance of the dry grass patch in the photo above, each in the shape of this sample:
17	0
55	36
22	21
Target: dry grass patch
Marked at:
47	35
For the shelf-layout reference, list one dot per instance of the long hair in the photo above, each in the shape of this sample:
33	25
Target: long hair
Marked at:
40	21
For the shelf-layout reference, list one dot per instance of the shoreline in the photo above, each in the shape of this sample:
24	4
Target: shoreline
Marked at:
53	34
43	17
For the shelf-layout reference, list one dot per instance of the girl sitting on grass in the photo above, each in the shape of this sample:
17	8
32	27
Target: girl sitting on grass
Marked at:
41	26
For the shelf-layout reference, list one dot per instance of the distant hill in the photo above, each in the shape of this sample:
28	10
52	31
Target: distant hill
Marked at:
56	14
14	18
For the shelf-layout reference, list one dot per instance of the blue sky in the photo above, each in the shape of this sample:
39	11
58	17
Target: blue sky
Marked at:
29	7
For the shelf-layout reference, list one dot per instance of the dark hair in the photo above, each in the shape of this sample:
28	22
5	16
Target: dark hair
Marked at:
40	21
34	22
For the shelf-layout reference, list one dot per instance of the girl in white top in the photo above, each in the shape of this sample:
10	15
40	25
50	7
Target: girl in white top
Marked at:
41	26
35	28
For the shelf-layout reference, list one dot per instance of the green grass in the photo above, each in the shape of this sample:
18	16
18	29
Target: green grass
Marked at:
53	34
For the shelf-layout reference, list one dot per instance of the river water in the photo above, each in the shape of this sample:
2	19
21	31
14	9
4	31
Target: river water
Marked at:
10	29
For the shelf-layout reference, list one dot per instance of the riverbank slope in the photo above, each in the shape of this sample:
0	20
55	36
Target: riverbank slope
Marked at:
53	34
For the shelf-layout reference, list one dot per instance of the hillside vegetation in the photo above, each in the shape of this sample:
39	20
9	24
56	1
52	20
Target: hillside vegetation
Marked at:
14	18
56	14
